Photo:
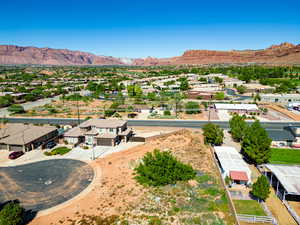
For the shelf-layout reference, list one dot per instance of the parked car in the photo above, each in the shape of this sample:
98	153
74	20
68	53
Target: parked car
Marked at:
51	144
15	155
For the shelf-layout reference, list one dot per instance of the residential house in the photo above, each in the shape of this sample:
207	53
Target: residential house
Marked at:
23	137
99	132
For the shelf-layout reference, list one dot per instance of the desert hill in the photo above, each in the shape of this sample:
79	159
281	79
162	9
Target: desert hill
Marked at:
285	53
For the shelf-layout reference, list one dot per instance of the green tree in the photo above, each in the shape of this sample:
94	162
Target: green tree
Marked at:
219	80
6	100
184	85
220	96
241	89
256	144
167	113
161	168
11	214
16	108
213	134
238	127
261	188
256	97
192	108
151	96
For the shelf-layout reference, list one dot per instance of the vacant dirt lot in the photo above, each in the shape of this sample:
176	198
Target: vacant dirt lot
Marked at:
284	111
115	192
68	109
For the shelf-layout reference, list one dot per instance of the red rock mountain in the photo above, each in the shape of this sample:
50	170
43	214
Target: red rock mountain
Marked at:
284	53
11	54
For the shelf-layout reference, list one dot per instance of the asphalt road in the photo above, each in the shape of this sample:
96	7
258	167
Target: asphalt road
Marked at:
44	184
158	123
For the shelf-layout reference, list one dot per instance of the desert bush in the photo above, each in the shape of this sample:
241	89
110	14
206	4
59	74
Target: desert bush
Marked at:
161	168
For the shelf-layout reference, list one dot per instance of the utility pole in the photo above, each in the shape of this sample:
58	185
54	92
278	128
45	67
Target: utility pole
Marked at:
78	113
209	110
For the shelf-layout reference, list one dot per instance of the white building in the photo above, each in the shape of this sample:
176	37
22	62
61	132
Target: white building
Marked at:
237	107
233	165
280	98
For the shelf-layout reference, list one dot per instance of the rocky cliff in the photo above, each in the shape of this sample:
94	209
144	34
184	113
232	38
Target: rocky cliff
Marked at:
284	53
11	54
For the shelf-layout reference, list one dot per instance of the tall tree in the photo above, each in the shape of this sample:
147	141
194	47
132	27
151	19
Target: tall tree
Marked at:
238	127
213	134
11	214
184	85
261	188
256	144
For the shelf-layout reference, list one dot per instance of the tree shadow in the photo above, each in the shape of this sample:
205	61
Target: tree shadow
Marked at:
28	215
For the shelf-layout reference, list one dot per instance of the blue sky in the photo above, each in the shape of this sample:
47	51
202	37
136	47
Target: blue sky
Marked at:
141	28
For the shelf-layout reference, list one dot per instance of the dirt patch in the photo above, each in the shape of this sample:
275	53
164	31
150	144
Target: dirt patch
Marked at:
295	206
68	109
117	193
284	111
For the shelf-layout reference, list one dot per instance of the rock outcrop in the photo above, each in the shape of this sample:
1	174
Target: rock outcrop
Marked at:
284	53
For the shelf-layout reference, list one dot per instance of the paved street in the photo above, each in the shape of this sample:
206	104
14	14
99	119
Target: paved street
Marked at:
156	123
44	184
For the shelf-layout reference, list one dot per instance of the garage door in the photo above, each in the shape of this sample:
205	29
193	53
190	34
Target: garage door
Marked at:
104	142
16	148
3	147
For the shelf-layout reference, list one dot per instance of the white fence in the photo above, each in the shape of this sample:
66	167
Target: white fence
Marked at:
257	219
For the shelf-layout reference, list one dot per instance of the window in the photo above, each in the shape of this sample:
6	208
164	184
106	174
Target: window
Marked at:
111	130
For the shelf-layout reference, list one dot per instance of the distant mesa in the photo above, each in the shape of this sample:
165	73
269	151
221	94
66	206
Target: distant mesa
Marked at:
284	53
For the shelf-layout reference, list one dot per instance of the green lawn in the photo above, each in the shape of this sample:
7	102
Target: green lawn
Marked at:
58	151
249	207
285	156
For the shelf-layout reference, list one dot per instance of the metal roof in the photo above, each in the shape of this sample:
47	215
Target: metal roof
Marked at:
289	177
231	160
226	106
239	175
280	135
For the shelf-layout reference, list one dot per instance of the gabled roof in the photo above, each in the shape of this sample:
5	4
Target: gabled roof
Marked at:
103	123
20	134
238	175
289	177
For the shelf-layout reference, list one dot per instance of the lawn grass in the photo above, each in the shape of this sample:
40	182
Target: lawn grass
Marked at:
285	156
58	151
249	207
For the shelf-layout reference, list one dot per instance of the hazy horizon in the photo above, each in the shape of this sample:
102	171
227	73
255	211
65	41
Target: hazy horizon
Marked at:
137	29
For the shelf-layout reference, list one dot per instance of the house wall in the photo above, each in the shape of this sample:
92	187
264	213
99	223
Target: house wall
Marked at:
280	99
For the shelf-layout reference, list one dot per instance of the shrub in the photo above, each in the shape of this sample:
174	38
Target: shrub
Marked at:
58	151
16	109
11	214
192	108
167	113
161	168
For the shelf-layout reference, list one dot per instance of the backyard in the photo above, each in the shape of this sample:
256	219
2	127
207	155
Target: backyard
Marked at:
249	207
